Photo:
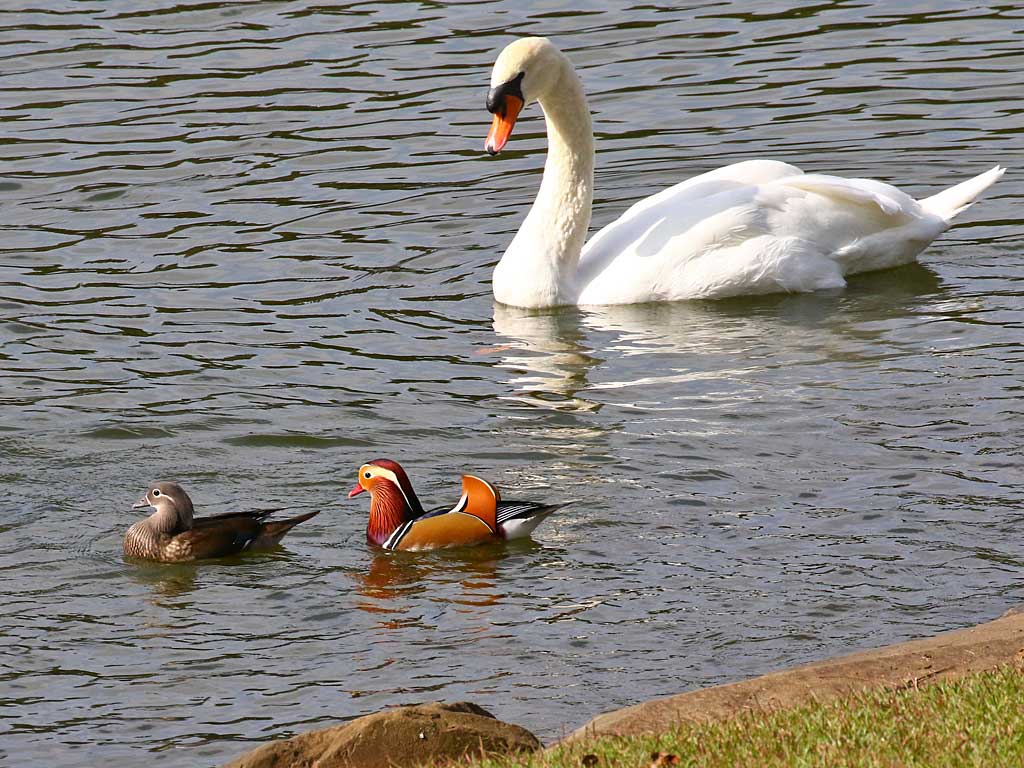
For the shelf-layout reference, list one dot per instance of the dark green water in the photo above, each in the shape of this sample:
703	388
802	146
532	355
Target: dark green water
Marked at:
248	246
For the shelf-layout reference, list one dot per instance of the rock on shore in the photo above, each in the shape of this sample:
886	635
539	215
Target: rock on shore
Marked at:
404	736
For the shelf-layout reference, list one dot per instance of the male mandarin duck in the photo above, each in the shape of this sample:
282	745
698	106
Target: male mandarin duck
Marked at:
398	520
173	535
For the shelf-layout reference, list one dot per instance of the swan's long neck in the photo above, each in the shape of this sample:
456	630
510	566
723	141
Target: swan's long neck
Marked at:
539	267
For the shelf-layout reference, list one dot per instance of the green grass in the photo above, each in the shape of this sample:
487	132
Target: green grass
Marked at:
977	721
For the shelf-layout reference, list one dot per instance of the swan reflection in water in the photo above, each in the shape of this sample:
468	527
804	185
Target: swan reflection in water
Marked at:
554	354
548	355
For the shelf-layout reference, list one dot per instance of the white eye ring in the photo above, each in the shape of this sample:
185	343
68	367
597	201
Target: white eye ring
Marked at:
156	492
367	475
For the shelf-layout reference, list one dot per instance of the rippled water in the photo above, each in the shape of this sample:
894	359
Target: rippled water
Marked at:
248	246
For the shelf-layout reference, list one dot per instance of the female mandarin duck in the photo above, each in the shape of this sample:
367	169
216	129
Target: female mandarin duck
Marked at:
398	520
173	535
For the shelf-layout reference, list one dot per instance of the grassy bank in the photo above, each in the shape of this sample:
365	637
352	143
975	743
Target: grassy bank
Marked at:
977	721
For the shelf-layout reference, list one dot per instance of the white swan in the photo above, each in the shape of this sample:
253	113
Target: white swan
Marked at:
754	227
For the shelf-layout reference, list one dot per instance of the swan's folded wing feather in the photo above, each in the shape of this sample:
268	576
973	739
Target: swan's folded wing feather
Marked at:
888	199
744	174
638	257
644	228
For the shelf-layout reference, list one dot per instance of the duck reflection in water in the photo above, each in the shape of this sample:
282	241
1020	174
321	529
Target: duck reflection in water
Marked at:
179	580
465	578
167	581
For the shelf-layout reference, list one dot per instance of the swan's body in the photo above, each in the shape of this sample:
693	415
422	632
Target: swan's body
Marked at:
755	227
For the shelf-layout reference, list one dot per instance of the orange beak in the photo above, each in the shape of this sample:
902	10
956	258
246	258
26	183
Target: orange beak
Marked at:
502	125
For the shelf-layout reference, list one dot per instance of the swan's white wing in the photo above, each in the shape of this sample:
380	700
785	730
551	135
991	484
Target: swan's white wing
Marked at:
755	227
858	192
746	173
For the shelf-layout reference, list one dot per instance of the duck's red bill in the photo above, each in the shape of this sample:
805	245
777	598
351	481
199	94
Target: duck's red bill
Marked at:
502	125
356	491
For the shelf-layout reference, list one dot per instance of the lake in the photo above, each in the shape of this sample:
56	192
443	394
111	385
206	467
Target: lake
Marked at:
248	246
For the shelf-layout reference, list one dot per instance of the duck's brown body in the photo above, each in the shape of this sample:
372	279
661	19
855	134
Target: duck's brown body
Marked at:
217	536
173	535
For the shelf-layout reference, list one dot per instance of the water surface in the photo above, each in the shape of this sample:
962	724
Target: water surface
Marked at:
248	246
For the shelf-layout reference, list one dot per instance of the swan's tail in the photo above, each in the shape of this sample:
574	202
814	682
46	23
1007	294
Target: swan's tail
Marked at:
950	202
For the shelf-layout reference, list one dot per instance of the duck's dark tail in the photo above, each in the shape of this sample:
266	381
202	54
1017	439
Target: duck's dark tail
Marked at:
274	530
517	519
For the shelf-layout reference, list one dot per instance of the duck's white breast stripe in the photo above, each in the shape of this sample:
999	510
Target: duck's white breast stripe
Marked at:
396	537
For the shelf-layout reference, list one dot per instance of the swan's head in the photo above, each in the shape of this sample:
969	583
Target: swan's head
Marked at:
526	71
